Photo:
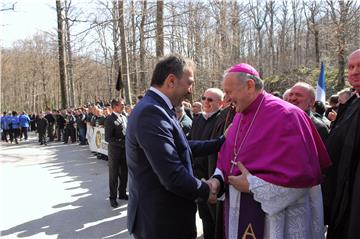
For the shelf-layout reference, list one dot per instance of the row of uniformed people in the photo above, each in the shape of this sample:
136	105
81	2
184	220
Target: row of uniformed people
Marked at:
15	126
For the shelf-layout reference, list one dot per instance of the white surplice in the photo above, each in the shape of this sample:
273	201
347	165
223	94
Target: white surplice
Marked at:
290	213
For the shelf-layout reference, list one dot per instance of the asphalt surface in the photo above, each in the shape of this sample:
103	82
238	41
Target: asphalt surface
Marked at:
57	191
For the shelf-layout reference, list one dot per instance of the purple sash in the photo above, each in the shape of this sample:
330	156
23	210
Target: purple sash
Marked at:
251	217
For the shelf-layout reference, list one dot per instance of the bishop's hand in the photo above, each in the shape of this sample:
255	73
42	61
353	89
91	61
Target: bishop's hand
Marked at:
240	182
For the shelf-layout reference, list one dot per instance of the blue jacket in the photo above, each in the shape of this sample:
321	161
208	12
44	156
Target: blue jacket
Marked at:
162	188
5	120
14	121
24	120
2	121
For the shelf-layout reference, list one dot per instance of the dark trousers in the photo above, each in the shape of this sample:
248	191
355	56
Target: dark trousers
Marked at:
24	132
4	135
207	214
118	171
42	137
70	132
219	220
82	134
14	134
50	130
60	134
32	126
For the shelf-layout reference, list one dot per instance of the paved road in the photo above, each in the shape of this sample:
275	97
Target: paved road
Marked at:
56	191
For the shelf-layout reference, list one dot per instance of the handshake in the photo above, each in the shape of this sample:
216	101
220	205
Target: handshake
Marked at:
214	186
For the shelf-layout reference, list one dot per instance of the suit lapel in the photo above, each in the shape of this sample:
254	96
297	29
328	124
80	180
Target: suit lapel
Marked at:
181	134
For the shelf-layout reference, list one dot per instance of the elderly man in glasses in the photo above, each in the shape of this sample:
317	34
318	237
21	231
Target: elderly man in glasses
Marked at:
202	129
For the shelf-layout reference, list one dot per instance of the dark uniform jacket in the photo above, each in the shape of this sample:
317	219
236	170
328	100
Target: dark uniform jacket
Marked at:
115	128
42	125
50	118
60	121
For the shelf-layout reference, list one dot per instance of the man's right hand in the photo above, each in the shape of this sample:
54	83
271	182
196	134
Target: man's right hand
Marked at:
214	186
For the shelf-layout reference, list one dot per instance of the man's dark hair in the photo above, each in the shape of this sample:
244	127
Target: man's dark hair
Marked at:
319	107
173	64
334	99
115	102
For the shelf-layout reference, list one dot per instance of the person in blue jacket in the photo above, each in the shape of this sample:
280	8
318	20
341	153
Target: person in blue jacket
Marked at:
14	126
24	120
4	127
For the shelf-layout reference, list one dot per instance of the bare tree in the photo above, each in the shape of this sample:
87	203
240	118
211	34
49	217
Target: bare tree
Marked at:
115	34
283	56
340	16
142	82
69	66
160	28
258	17
124	55
61	45
311	12
270	8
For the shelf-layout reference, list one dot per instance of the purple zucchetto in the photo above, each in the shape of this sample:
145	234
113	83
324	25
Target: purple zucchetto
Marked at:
244	68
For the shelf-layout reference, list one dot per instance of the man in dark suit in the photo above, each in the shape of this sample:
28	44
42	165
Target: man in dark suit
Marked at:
42	126
115	129
162	188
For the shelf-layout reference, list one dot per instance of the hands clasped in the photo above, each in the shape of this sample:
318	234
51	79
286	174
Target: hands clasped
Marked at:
214	186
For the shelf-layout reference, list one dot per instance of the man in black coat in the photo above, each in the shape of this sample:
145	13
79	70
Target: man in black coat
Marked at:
42	126
342	182
202	129
115	128
70	129
60	125
51	123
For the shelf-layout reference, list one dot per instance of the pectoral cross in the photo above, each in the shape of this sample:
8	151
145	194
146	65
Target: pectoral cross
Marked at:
233	163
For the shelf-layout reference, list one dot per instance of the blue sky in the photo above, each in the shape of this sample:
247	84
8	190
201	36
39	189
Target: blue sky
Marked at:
29	17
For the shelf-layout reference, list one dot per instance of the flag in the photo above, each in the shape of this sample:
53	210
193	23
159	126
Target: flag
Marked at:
321	86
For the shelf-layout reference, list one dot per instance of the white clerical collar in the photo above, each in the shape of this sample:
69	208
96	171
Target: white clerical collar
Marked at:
117	114
163	96
208	115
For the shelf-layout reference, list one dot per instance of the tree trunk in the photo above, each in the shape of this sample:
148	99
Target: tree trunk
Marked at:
69	68
343	21
142	47
115	35
271	12
62	71
133	62
160	28
124	56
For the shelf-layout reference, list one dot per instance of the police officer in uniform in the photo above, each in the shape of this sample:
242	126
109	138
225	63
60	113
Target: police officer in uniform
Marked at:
115	128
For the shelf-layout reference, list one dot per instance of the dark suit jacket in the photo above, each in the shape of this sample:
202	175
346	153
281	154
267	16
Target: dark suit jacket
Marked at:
162	188
114	131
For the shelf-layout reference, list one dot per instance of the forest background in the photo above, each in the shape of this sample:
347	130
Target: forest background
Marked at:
95	47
